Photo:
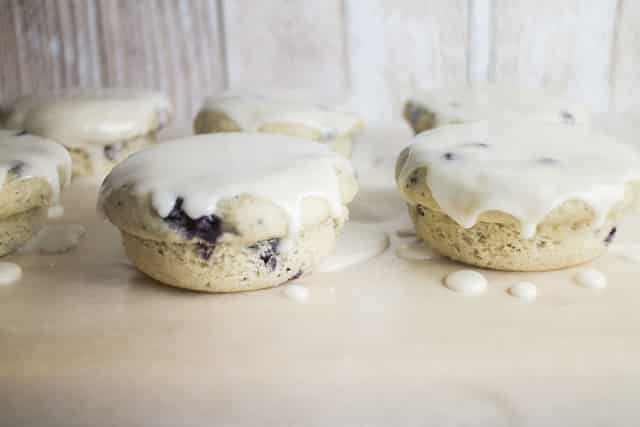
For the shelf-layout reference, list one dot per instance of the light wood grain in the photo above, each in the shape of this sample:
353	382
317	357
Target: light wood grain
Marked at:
398	46
167	45
563	44
479	51
285	44
371	53
626	54
48	46
9	67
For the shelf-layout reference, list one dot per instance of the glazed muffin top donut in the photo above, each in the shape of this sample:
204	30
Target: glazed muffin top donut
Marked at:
252	112
252	186
100	116
527	170
31	168
480	102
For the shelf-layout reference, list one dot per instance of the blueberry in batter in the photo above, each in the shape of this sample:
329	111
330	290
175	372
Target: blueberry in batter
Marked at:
610	236
268	252
207	228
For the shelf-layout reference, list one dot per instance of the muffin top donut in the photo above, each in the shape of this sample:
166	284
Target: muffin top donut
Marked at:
254	112
98	117
29	165
519	170
459	105
250	186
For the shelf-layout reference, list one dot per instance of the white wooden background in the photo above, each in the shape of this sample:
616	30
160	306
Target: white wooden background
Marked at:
368	53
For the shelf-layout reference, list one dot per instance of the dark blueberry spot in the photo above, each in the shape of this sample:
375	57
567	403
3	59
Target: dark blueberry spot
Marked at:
475	144
296	276
205	250
207	228
547	161
610	236
17	167
420	210
567	118
268	252
110	152
450	156
22	133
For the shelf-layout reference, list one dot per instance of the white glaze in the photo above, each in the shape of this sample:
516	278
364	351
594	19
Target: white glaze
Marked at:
41	158
591	278
415	251
526	291
356	243
55	239
205	169
9	273
466	281
510	175
252	111
296	293
481	102
83	118
55	212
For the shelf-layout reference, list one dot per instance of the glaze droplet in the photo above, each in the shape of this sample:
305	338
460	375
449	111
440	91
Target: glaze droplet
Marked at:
466	281
296	293
9	273
591	278
526	291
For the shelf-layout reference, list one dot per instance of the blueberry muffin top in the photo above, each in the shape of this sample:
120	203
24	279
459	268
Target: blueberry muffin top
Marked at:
524	169
80	117
32	171
457	105
252	112
247	186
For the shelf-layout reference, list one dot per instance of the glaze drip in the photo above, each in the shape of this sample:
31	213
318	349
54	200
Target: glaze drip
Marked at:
252	111
186	178
528	169
26	156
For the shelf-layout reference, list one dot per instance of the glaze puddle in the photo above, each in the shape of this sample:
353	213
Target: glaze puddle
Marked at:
55	239
357	243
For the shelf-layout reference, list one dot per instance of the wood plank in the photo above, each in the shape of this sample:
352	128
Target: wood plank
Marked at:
399	46
167	45
53	45
626	59
289	44
565	45
481	15
10	85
